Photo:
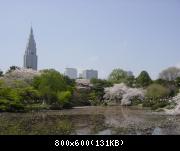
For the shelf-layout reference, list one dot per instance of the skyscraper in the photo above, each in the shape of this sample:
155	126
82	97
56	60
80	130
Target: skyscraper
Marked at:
71	73
30	57
89	74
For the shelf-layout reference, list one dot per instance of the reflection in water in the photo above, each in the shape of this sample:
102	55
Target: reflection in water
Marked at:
157	131
105	132
91	120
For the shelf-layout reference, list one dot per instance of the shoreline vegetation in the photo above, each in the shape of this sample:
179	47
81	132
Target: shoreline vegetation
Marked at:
25	90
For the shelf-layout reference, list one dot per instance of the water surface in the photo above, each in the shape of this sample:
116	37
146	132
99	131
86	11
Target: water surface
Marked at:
91	120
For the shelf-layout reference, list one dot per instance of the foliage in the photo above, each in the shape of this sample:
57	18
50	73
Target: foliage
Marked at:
69	81
101	82
81	97
49	83
12	68
155	103
136	101
51	78
172	86
64	97
1	73
4	104
170	74
177	82
157	91
10	100
98	88
2	83
49	89
19	84
30	95
117	76
143	79
130	81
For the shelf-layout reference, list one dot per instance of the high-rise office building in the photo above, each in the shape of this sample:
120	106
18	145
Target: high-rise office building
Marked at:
89	74
71	73
30	57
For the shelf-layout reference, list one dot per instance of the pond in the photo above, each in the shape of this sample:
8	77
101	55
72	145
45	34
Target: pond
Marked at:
96	120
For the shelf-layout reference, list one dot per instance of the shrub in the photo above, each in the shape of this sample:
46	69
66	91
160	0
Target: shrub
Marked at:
136	101
11	106
4	105
157	91
16	106
155	103
171	85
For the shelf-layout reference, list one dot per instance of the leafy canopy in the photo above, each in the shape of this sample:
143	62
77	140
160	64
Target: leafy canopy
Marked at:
143	79
118	76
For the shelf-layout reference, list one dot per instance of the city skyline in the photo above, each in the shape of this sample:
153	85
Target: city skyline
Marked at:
100	35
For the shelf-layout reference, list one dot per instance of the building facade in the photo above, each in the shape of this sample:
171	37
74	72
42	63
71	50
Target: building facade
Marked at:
129	73
71	73
30	57
89	74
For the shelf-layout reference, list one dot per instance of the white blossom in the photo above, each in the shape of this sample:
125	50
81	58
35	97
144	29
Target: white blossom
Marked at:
176	109
122	94
21	74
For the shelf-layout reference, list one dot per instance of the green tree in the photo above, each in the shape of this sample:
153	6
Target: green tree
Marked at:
63	97
100	82
170	74
98	88
177	81
130	81
30	95
49	83
118	76
143	79
1	73
10	100
173	86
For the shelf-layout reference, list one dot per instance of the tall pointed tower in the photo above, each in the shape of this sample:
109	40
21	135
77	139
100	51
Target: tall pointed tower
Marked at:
30	57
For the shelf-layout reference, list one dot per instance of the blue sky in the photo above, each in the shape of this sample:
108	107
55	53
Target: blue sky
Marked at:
133	35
